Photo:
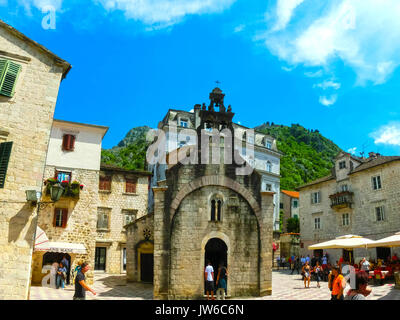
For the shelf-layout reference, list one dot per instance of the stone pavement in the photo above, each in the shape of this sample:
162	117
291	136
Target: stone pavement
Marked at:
284	287
107	287
290	287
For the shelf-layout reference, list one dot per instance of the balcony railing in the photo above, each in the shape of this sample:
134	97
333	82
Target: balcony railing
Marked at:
341	200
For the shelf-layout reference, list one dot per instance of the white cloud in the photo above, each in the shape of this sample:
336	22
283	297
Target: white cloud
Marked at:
164	12
388	134
352	150
40	4
287	69
239	28
328	101
284	12
363	34
315	74
328	84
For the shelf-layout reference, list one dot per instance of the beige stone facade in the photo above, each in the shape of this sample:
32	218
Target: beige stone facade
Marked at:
361	197
25	120
121	207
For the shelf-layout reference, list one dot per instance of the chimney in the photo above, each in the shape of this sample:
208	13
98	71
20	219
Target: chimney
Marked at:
373	155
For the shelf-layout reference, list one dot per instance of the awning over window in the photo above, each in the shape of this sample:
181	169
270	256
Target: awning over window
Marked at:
61	247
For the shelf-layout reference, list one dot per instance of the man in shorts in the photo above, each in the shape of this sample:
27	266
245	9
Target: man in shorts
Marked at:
209	277
80	286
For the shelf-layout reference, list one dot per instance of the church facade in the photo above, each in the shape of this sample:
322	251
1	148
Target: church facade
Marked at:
205	212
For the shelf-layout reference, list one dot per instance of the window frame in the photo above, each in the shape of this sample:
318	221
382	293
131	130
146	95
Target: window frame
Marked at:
342	164
68	142
131	184
345	218
183	121
57	172
129	213
5	156
375	180
381	214
10	69
104	212
318	197
63	212
317	222
105	180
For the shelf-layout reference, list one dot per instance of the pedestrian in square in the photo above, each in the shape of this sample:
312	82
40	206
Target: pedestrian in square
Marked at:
307	274
318	272
338	284
221	281
209	277
362	290
60	276
80	285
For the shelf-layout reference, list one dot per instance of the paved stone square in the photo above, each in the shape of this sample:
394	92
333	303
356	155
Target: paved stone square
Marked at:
284	287
107	287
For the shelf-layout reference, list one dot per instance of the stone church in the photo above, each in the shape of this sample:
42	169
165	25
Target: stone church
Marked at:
205	212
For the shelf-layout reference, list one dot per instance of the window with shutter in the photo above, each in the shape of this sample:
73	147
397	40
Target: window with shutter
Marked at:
60	217
130	186
68	142
105	183
9	72
5	153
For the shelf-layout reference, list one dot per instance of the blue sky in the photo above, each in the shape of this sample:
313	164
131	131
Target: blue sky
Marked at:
331	65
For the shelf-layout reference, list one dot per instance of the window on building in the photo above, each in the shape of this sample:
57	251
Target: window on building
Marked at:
268	187
216	209
63	176
344	188
105	183
5	153
68	142
295	216
281	205
295	203
316	197
184	123
345	219
317	223
103	217
268	144
380	213
130	185
60	217
269	166
342	164
129	216
9	72
376	183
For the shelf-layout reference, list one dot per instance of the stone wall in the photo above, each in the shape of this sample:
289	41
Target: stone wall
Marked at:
362	214
118	200
26	120
81	223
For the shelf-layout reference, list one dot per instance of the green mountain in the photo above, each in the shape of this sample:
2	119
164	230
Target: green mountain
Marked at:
130	153
307	155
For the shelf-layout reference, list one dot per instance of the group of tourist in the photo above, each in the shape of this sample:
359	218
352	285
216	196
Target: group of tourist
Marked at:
322	270
220	281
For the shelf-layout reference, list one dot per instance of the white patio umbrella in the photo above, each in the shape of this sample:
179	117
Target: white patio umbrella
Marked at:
392	241
41	238
349	241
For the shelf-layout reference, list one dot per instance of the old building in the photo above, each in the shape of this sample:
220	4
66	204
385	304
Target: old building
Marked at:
265	158
361	197
30	77
123	197
205	212
289	206
73	160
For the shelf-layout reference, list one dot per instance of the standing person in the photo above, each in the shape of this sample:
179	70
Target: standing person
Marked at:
318	272
308	259
313	261
221	281
283	262
60	276
209	277
303	261
80	285
67	266
307	274
362	290
297	265
278	261
338	285
324	261
364	265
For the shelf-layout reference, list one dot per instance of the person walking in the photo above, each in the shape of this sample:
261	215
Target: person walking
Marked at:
209	278
362	290
60	276
364	265
80	285
296	265
221	282
67	267
338	284
318	272
307	274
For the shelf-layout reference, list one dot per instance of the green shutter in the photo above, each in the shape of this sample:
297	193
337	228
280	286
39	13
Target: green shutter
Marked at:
3	67
5	152
9	77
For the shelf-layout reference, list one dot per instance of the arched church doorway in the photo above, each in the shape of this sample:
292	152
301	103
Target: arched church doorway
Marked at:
216	251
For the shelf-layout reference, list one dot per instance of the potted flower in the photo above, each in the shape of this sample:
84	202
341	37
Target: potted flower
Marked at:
75	185
81	186
65	183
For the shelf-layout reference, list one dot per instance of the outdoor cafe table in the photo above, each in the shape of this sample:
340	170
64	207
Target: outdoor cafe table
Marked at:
371	273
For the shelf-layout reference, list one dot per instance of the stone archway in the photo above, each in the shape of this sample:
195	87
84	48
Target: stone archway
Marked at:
216	180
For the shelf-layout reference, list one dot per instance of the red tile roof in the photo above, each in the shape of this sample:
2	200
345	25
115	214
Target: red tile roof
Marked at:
293	194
